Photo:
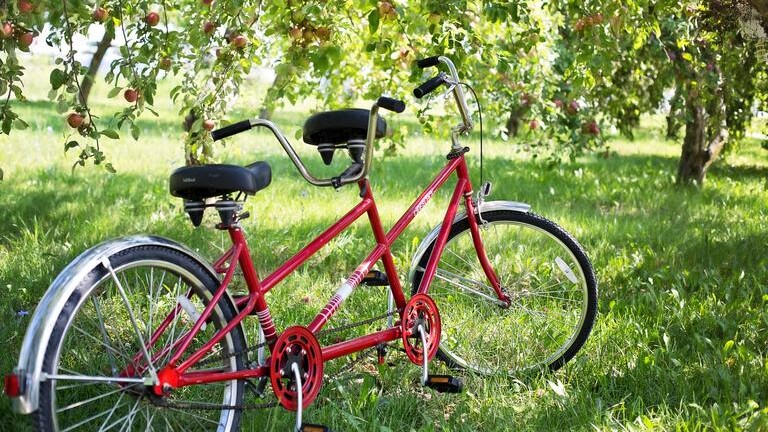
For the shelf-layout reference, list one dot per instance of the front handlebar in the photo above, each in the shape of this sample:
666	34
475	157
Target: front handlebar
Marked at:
451	80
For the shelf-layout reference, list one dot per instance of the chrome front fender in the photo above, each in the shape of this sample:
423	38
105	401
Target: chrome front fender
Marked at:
30	365
485	207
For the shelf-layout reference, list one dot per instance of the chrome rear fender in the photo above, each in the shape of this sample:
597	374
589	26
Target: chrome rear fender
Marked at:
29	367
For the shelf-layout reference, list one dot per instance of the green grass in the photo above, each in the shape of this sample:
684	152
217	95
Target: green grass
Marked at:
680	338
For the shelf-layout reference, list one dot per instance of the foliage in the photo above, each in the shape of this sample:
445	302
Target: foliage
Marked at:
339	50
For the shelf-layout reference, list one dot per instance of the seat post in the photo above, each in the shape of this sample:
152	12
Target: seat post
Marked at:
229	212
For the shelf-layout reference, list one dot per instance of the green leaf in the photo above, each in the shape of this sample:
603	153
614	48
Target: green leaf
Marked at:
114	92
58	78
109	133
1	174
373	21
135	131
110	168
687	56
20	124
71	144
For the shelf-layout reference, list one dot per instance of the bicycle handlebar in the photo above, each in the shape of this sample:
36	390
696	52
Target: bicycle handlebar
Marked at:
234	128
454	82
390	104
355	172
427	62
429	86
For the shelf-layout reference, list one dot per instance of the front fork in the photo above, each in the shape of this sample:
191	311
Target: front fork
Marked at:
474	229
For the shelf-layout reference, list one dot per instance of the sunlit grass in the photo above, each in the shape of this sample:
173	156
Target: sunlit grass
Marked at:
679	341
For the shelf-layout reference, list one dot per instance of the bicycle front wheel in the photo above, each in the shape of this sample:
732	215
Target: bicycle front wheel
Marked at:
95	361
545	273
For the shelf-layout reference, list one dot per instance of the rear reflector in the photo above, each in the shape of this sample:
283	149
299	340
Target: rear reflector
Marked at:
12	387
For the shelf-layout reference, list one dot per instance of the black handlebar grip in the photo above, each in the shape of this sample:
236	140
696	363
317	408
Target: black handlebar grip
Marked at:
427	62
234	128
429	86
395	105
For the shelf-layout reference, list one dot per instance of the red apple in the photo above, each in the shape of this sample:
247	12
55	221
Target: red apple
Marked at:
75	120
579	26
573	107
100	14
597	18
152	19
384	8
209	27
209	125
131	95
295	33
25	6
323	33
6	30
207	2
239	41
559	103
534	124
25	39
164	63
591	128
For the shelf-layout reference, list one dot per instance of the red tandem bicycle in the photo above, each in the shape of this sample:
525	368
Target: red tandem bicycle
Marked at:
141	333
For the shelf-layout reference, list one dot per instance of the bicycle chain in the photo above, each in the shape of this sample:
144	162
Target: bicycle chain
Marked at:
164	403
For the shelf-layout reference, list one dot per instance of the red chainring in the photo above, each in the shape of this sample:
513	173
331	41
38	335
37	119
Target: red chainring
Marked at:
296	345
421	308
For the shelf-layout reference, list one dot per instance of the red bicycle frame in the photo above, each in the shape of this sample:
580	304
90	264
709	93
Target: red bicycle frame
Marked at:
176	373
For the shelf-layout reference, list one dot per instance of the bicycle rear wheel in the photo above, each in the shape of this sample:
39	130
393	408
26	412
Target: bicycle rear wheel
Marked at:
95	351
547	276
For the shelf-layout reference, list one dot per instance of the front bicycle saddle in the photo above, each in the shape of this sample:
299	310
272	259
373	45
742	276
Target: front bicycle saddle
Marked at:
347	128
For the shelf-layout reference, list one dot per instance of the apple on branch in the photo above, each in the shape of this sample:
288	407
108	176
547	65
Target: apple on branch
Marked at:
75	120
100	14
152	19
131	95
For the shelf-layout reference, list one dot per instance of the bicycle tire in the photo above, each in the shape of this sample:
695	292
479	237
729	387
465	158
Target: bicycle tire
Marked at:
94	336
527	252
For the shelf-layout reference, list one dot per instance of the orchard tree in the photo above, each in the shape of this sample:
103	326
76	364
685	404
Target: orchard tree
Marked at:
697	49
554	74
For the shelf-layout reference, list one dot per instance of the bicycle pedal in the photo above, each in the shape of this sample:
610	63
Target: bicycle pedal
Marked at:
445	383
309	427
375	278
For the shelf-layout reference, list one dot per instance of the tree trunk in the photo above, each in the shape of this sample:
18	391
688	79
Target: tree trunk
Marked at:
93	67
704	138
513	124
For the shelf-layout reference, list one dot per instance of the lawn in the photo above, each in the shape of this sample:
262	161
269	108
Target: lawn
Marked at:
680	338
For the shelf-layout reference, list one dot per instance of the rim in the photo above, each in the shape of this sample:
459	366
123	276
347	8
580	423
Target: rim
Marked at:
474	286
160	278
